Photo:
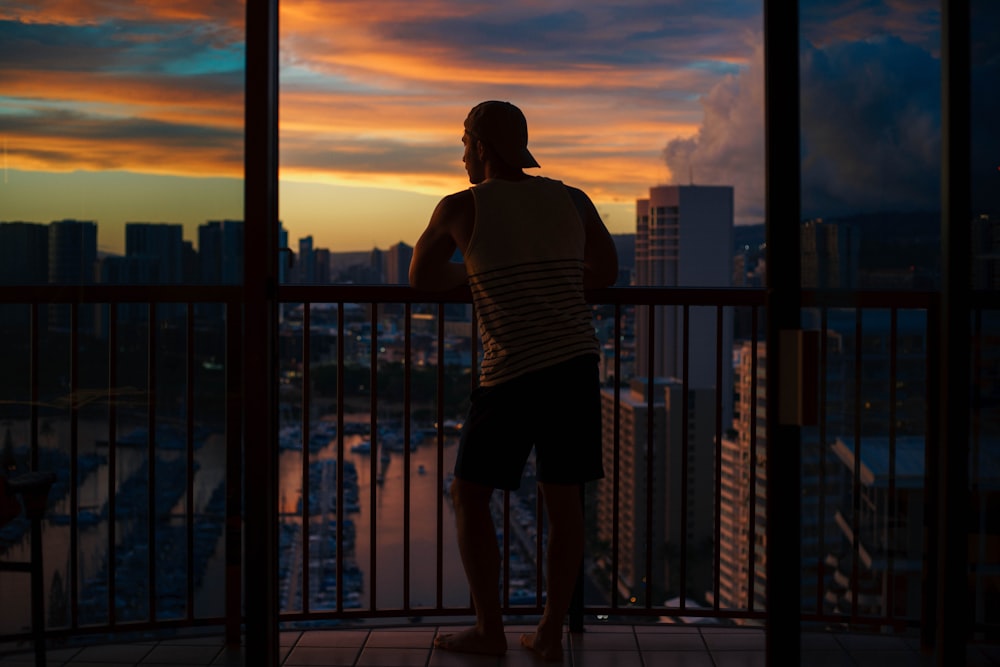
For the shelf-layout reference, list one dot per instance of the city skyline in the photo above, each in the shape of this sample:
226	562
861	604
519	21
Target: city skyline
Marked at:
124	113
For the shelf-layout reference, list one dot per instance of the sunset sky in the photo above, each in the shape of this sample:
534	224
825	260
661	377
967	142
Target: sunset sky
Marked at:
131	110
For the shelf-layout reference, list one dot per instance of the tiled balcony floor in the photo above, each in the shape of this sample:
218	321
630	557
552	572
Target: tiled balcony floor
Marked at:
600	646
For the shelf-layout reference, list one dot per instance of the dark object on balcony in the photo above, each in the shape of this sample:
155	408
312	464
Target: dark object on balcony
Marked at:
33	489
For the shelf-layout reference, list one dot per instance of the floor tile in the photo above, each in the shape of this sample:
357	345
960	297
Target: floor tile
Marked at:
678	658
617	641
670	642
607	659
740	659
826	658
872	642
393	657
397	639
441	658
333	638
735	641
111	654
308	656
174	653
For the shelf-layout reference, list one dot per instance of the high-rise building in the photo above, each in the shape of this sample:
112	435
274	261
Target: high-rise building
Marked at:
397	264
24	260
986	252
72	252
684	239
830	254
741	568
162	244
24	253
305	267
322	260
666	490
220	247
72	261
628	507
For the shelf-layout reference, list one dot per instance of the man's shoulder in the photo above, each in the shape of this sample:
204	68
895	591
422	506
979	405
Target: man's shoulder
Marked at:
458	208
456	202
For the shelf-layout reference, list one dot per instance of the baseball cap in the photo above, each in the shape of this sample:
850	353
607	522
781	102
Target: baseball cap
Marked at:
503	126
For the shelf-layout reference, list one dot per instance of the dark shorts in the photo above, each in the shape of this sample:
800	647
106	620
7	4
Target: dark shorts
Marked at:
556	410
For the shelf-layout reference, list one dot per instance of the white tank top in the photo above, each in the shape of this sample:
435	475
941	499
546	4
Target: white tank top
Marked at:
525	267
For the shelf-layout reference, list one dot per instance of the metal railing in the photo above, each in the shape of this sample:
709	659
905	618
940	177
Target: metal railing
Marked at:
863	564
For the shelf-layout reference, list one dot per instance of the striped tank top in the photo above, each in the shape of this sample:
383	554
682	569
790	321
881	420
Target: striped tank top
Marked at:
525	267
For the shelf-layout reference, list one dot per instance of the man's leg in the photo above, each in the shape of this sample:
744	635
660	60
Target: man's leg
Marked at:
477	544
563	562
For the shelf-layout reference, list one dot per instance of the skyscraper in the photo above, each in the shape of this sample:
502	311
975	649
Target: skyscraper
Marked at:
24	260
397	264
72	261
658	510
220	246
684	239
830	254
162	245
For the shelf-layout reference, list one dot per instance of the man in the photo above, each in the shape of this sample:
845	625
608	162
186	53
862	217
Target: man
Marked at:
530	246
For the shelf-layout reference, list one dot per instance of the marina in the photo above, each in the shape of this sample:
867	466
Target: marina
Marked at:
390	483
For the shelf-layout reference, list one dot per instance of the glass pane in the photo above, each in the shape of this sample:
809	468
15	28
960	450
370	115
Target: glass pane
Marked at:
985	347
122	164
628	101
871	208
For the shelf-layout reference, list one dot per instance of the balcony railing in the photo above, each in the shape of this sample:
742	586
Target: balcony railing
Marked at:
133	396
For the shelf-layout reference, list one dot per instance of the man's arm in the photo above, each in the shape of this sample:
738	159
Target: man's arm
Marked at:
431	267
600	257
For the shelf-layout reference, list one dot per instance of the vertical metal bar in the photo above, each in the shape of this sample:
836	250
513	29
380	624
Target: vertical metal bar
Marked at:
305	429
189	412
151	517
929	571
234	478
439	556
112	460
719	388
616	465
983	554
685	454
339	574
821	410
650	457
752	484
74	469
37	573
374	459
783	284
890	532
539	552
406	455
576	602
35	344
261	292
953	445
505	591
856	472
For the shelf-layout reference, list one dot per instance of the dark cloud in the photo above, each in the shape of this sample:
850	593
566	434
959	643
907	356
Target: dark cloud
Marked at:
985	128
871	125
871	128
624	34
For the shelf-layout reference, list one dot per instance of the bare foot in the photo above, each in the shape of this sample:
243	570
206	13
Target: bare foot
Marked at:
473	641
548	651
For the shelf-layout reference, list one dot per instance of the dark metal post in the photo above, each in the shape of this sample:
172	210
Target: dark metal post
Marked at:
260	318
782	449
953	611
576	602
